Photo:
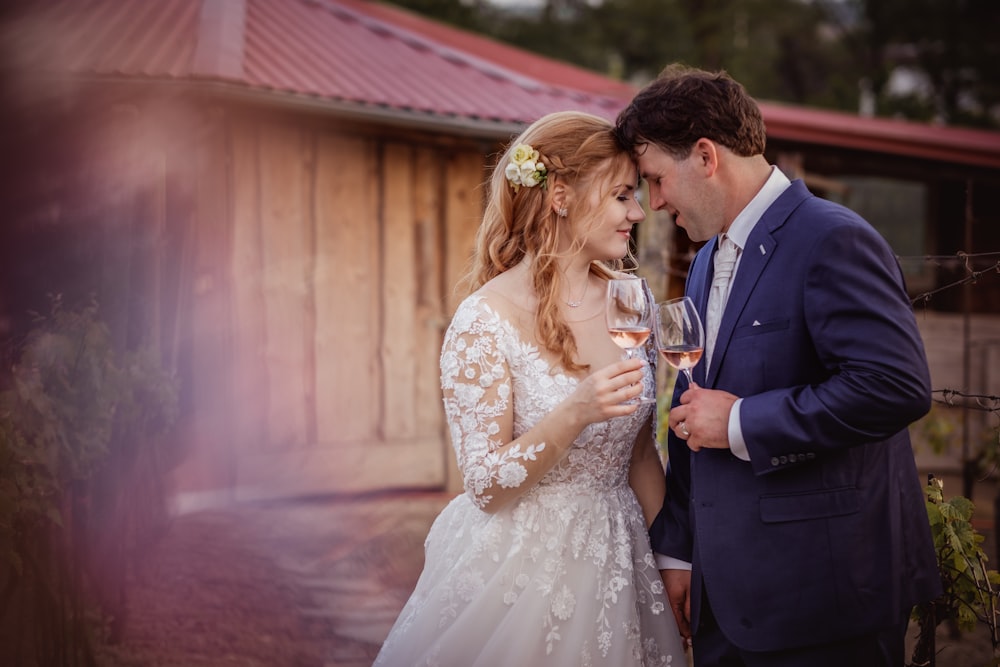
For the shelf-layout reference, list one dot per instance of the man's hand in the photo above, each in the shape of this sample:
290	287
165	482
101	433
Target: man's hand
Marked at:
702	418
678	585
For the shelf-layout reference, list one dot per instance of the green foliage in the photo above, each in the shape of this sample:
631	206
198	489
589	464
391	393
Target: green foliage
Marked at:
937	429
950	46
28	492
970	587
664	396
55	420
990	446
69	399
811	53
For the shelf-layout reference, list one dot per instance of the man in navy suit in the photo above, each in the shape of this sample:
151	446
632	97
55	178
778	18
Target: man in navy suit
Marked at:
794	531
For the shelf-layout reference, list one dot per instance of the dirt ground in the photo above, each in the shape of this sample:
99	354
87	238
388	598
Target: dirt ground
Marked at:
305	584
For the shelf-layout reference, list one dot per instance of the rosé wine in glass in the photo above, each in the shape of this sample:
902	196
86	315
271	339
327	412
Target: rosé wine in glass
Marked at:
680	335
630	317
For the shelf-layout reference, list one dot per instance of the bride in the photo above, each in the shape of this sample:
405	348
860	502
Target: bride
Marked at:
545	558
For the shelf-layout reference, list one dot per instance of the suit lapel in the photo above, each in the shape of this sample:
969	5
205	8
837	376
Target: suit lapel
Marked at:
753	260
759	249
698	282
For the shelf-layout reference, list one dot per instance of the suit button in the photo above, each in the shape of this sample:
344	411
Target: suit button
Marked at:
784	459
774	461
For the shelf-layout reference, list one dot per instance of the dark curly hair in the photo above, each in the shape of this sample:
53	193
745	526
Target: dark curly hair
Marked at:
684	104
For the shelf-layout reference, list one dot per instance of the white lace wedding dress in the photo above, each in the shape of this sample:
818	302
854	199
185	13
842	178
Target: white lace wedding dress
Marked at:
561	576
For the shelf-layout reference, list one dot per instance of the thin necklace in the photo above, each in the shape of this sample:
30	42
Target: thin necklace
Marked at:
579	302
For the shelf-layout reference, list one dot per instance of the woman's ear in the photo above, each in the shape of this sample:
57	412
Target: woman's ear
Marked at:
559	199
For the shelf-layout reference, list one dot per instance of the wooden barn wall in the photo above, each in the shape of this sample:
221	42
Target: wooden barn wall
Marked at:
325	267
296	272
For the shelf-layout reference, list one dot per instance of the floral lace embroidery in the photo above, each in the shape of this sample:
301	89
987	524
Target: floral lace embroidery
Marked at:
570	551
477	391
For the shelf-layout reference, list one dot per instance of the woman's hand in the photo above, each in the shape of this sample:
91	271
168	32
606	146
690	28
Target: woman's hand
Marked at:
603	394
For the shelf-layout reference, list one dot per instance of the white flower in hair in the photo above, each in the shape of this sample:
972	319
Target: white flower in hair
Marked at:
525	168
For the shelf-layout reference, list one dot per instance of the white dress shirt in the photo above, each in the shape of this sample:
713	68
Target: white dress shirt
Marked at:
739	232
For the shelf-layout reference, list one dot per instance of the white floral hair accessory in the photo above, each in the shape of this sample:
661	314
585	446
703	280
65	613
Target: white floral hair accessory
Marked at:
525	168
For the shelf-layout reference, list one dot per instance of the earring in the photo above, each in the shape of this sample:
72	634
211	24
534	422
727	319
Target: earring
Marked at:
563	212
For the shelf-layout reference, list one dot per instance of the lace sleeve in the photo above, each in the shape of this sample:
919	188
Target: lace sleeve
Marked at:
477	387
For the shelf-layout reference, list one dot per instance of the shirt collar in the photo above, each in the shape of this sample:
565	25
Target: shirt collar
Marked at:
744	223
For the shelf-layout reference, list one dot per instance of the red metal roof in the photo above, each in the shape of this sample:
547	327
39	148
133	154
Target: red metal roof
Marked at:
882	135
525	62
367	57
131	38
334	49
348	51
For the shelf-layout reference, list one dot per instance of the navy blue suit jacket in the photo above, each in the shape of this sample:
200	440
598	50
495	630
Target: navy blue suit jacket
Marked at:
824	533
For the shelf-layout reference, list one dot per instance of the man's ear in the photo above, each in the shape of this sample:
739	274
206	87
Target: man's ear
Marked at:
707	154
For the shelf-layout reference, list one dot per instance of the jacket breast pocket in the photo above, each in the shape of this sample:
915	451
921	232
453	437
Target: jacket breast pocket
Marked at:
758	327
815	505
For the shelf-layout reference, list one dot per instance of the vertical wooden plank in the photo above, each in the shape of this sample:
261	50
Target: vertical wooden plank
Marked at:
211	330
310	185
463	213
250	376
285	246
347	285
430	316
127	177
178	265
399	299
158	249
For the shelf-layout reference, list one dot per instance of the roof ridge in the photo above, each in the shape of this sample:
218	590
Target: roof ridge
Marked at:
489	68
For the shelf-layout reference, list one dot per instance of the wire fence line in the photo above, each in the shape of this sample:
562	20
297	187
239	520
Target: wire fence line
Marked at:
965	260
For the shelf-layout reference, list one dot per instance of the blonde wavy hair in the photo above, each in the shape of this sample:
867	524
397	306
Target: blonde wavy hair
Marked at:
579	151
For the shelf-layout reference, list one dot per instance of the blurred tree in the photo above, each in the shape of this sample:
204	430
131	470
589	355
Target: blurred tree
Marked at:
920	59
464	14
930	59
783	50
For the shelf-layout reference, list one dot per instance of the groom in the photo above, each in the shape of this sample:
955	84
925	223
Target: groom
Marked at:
794	531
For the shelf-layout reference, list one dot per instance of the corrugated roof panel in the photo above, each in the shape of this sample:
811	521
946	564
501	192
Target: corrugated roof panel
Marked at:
526	62
884	135
328	49
169	42
132	37
379	57
130	53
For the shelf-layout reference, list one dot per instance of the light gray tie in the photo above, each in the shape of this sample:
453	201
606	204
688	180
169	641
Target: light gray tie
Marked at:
725	260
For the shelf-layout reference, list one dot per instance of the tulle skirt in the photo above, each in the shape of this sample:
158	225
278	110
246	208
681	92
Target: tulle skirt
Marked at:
564	576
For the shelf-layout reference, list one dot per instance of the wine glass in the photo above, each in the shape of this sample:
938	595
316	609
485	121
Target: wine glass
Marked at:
630	317
681	337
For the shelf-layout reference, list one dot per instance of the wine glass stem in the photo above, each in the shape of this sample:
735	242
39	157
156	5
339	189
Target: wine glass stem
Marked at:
687	372
630	354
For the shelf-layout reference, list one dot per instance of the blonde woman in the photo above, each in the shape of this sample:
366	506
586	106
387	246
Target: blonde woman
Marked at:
545	558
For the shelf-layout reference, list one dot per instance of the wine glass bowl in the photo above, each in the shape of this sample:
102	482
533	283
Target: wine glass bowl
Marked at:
630	317
680	335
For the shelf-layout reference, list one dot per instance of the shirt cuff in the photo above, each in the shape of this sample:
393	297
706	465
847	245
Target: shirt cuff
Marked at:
664	562
736	443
